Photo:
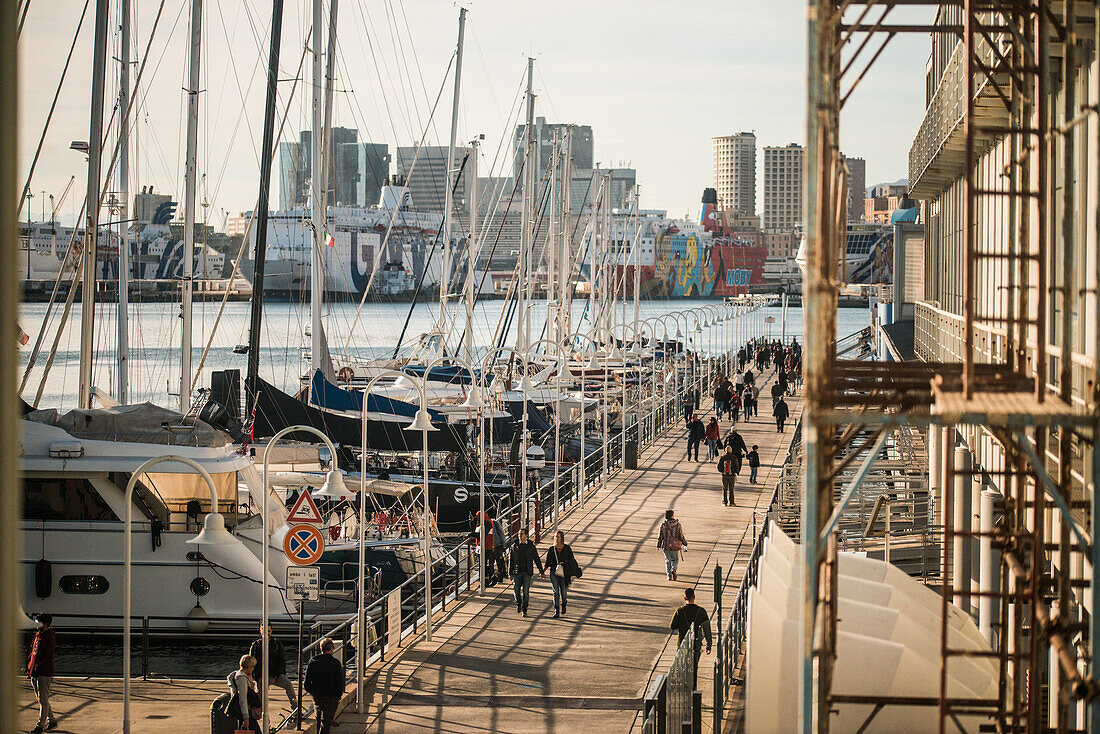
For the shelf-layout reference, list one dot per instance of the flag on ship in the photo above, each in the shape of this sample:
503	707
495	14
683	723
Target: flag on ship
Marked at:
330	240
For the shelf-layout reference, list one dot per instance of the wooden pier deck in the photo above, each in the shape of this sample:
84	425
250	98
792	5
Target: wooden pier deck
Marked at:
487	668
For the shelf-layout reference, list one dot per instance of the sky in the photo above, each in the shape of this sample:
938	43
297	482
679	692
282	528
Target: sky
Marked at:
655	80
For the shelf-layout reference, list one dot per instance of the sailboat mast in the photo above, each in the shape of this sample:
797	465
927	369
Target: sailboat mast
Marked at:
123	350
523	329
551	238
91	220
637	261
260	254
449	203
316	200
565	268
330	80
189	203
471	255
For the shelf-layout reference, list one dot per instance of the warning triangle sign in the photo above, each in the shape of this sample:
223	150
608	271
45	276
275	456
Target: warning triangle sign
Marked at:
304	510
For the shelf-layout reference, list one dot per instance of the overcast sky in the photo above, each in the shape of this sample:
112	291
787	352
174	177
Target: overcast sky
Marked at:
655	80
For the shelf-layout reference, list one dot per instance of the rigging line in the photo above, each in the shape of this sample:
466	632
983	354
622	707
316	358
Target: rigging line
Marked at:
53	105
371	35
427	262
416	57
103	189
60	329
251	220
23	17
393	217
403	62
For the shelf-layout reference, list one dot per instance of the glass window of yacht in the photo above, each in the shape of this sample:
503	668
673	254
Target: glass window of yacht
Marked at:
63	498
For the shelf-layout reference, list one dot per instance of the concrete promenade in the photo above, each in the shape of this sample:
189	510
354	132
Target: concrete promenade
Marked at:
488	669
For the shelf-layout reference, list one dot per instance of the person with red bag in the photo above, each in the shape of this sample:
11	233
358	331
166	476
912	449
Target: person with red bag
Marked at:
41	671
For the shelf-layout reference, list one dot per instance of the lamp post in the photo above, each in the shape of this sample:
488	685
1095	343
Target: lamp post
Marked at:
561	366
584	408
213	533
361	615
334	485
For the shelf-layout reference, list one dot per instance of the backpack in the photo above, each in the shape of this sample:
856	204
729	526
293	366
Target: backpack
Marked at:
673	542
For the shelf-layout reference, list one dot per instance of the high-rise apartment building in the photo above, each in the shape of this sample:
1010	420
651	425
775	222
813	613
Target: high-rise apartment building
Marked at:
857	187
783	187
356	176
735	172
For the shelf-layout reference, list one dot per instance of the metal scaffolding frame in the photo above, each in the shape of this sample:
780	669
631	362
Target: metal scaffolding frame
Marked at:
1017	383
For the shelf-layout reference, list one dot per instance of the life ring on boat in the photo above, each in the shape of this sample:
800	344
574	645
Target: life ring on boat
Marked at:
347	374
381	519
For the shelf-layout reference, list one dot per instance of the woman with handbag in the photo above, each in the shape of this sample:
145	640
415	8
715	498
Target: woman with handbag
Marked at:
563	568
244	705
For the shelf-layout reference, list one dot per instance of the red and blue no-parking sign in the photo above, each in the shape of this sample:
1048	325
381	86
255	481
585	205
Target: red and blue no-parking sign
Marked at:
303	544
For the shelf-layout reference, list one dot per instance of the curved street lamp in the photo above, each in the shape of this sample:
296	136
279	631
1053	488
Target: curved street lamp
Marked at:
561	367
361	641
213	533
333	485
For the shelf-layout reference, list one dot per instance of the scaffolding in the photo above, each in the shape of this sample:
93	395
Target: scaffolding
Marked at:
1004	403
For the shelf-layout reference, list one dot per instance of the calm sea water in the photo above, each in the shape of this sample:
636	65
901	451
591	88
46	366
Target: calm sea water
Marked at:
155	330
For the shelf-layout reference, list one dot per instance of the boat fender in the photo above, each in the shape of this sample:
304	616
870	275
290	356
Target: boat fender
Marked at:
156	528
43	579
197	619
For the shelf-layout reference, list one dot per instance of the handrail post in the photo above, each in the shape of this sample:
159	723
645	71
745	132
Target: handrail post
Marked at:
144	648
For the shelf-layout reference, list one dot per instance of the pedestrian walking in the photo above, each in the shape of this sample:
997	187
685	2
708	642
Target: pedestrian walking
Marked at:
563	568
40	668
734	441
671	540
754	463
244	702
490	555
781	412
777	391
325	682
500	549
696	434
748	401
276	669
521	567
692	615
713	435
688	404
727	467
735	404
721	397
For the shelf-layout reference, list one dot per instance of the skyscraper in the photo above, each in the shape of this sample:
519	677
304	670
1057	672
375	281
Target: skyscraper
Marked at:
735	172
581	146
356	175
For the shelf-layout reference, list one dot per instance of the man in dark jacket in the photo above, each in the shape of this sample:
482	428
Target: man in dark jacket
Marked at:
692	615
41	671
525	557
781	413
276	668
325	682
696	433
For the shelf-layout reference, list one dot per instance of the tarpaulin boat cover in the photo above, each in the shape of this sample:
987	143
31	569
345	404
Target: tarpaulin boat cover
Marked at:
451	374
275	410
140	423
324	394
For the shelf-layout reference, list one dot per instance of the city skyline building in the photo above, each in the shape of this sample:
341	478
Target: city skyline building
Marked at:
735	171
427	179
581	147
857	187
358	171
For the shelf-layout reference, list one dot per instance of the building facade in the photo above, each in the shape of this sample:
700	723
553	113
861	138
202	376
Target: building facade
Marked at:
783	187
426	176
857	187
735	171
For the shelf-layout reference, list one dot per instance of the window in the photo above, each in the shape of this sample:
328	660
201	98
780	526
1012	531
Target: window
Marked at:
63	498
84	584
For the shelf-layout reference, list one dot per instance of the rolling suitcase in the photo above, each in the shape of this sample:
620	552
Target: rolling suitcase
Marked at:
220	723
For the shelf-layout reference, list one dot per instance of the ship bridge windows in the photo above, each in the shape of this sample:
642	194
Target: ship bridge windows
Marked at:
64	498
